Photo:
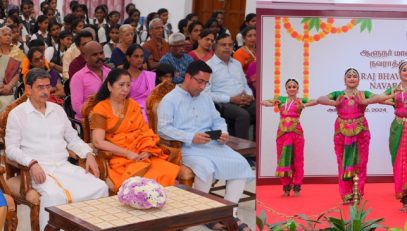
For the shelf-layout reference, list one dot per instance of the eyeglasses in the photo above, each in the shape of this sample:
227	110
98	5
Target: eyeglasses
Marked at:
158	28
201	81
43	87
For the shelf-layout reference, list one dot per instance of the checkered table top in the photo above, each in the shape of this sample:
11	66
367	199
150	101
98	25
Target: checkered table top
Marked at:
108	212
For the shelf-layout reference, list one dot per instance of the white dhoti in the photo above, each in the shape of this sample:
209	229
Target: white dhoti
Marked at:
66	183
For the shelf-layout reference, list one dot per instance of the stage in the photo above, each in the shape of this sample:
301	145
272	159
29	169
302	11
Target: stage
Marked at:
315	199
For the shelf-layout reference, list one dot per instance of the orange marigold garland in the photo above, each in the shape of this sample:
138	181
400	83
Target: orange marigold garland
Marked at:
326	28
306	64
277	58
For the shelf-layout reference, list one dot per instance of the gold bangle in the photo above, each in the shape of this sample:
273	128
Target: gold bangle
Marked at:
91	153
32	164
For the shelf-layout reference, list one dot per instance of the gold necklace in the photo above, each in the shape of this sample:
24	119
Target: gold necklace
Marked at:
250	52
286	109
351	96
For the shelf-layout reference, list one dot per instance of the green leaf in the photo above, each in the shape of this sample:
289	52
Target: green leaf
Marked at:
305	20
305	218
362	26
336	223
259	223
358	21
395	229
312	23
369	25
293	226
263	216
365	24
356	225
261	220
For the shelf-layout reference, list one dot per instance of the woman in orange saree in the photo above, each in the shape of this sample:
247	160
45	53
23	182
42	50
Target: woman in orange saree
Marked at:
118	126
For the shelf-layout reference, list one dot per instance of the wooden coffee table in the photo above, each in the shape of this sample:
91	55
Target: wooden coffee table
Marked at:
185	207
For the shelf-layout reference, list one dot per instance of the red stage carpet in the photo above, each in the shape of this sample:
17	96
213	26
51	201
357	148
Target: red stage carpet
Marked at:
318	198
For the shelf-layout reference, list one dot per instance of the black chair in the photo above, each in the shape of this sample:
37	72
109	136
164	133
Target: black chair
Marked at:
76	124
19	90
67	89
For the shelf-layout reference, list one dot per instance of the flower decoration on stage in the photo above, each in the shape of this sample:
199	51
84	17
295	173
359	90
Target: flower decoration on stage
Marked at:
142	193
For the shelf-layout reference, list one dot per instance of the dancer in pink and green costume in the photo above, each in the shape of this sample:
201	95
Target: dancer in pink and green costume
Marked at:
398	136
352	136
290	139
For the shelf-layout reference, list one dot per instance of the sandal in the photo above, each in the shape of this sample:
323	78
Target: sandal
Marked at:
404	203
297	189
241	226
215	226
286	190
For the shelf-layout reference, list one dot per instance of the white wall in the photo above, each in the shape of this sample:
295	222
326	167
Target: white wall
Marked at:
177	9
250	6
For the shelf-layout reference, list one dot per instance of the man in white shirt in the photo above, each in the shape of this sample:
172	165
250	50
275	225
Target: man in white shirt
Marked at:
229	89
38	134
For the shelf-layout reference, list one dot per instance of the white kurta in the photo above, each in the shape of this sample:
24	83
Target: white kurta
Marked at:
31	135
180	116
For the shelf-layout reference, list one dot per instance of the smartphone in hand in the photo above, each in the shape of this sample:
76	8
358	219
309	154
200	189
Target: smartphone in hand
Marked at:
215	134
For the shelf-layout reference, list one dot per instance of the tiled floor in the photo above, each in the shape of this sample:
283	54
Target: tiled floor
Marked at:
246	213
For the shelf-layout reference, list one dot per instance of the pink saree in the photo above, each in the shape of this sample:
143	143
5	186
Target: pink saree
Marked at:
351	140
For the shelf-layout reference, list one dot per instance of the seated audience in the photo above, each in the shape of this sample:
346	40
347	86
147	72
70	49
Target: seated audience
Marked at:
250	20
55	54
142	81
213	25
251	76
88	80
16	40
194	29
185	114
157	47
145	33
27	19
247	53
126	34
81	39
112	43
77	25
228	87
7	48
70	54
38	135
67	22
164	72
204	49
118	127
37	60
177	57
100	16
9	73
41	28
220	17
163	15
54	28
112	19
